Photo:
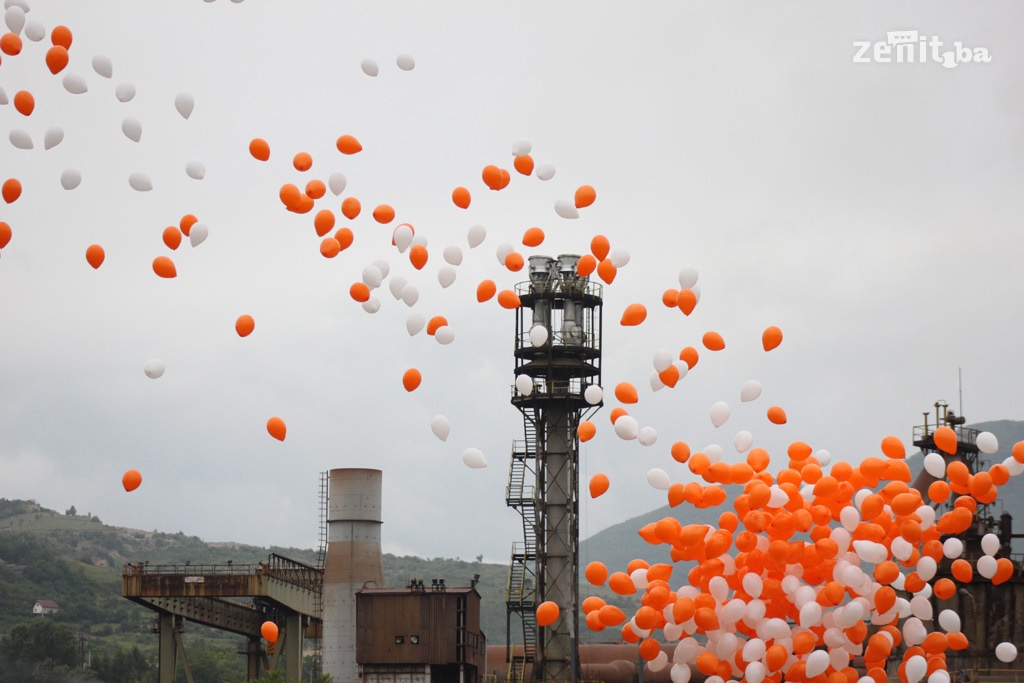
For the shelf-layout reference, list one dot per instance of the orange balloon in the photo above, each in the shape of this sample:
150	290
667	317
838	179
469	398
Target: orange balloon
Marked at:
276	428
330	247
777	415
611	615
593	603
892	447
597	574
24	102
291	196
585	196
523	164
131	480
686	300
680	451
259	149
350	208
302	161
315	189
323	222
599	484
713	341
599	247
492	177
508	299
359	291
56	59
94	255
533	237
164	267
945	439
418	256
244	325
962	570
1004	571
10	44
771	338
172	237
411	379
587	264
61	35
461	197
649	649
269	631
344	237
5	234
348	145
514	261
586	430
633	315
11	190
689	356
186	223
607	271
669	376
626	393
485	290
670	297
383	214
436	322
547	613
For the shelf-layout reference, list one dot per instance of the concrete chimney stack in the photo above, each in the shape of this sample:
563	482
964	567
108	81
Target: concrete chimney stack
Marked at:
353	559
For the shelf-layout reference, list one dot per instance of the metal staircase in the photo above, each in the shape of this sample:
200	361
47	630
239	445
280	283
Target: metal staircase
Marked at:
521	595
321	554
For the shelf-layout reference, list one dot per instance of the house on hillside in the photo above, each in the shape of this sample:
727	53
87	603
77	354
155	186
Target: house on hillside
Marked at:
44	607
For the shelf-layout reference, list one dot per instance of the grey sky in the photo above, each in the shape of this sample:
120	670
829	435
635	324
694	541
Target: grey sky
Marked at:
869	210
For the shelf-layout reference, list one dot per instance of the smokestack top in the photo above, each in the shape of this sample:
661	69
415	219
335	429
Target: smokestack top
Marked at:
354	495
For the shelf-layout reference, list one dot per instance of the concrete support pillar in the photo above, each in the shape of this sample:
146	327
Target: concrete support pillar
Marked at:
293	647
168	648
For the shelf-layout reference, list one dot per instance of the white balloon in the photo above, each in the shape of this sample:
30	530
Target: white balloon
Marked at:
102	65
140	182
14	17
926	567
337	181
154	369
750	391
849	517
521	148
444	335
396	286
198	234
446	276
619	257
453	255
369	67
35	31
658	479
679	673
647	436
440	427
593	394
566	208
476	236
626	427
817	662
659	662
870	552
937	676
743	441
410	295
952	548
987	442
75	84
195	170
987	566
921	608
949	621
719	413
524	385
503	250
403	237
917	667
3	97
53	137
132	128
124	92
755	672
545	170
682	367
656	383
752	585
383	267
935	465
70	179
687	277
414	323
20	138
662	360
184	103
474	458
1006	652
901	548
714	452
371	305
810	614
538	335
405	62
990	544
1015	466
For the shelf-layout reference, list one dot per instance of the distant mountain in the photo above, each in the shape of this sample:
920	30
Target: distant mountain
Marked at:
618	545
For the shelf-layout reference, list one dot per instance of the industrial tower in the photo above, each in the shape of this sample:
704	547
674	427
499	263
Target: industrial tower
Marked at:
558	348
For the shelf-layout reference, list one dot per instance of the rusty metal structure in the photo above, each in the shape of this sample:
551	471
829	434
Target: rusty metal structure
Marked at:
280	590
557	357
420	634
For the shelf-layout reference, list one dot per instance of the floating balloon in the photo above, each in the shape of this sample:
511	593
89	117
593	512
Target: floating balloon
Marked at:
585	196
719	413
1006	652
538	335
547	613
102	65
24	102
405	62
713	341
410	295
53	137
599	484
164	267
414	323
124	92
411	379
524	385
94	255
619	257
132	128
626	428
593	394
347	144
34	31
476	236
658	479
453	255
184	104
626	393
474	458
269	631
545	171
131	480
566	209
244	325
11	190
140	182
633	315
987	442
70	178
20	139
771	338
14	17
276	428
198	234
75	84
441	427
369	67
195	170
750	391
154	368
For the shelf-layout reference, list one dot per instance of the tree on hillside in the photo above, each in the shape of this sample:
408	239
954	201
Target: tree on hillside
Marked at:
71	511
32	648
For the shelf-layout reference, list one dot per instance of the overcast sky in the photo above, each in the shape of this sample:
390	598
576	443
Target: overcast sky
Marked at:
870	210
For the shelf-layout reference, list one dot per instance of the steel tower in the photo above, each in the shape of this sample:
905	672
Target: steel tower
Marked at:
558	348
